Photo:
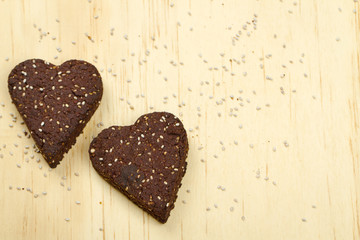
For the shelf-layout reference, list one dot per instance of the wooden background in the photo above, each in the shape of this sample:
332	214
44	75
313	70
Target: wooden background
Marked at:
269	91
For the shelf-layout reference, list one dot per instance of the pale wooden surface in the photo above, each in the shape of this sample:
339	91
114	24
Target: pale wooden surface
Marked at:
313	186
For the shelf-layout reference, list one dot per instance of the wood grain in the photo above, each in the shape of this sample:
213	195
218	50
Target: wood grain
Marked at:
290	137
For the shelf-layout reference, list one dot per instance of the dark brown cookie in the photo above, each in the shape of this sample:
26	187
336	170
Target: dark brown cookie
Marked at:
55	102
145	161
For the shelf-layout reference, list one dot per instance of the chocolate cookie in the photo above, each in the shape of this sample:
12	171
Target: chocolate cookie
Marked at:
145	161
55	102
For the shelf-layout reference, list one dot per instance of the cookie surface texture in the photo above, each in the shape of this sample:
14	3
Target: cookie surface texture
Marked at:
55	102
145	161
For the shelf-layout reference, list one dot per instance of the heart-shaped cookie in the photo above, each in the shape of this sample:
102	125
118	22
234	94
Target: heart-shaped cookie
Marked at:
55	102
145	161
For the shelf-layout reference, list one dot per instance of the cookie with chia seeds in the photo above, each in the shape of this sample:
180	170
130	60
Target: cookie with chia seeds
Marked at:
55	102
145	161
